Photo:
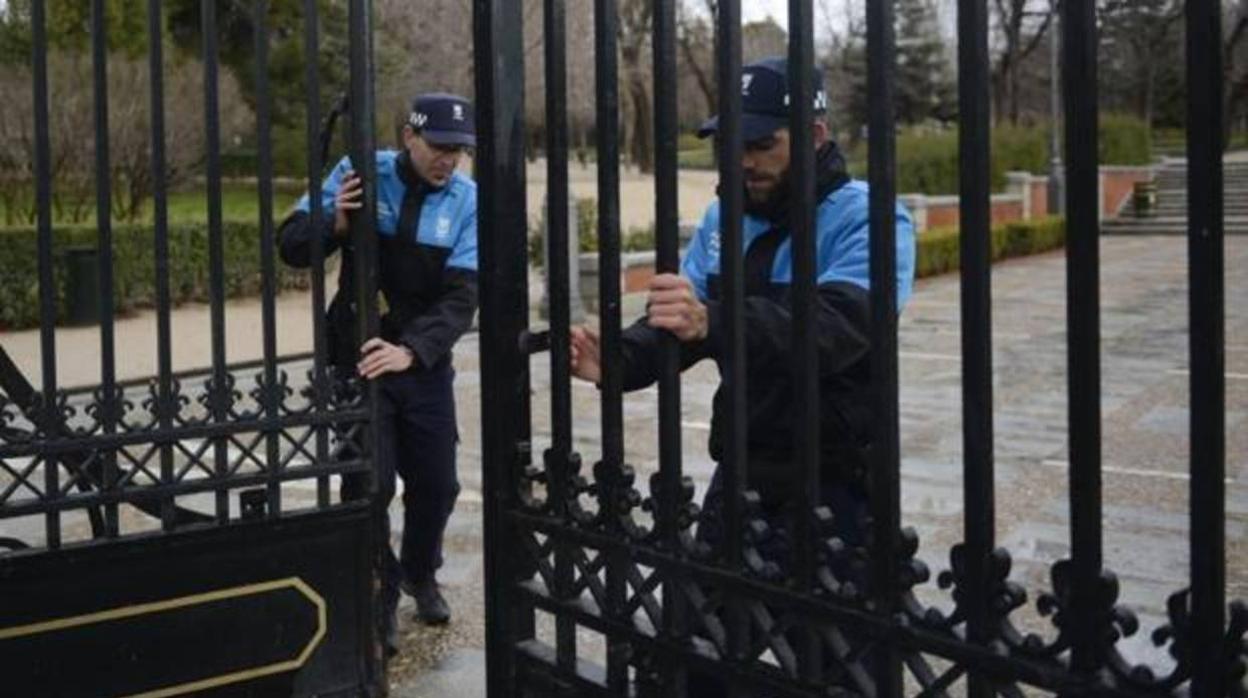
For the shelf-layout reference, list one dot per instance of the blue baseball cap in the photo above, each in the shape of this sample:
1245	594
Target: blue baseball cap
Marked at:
443	119
765	99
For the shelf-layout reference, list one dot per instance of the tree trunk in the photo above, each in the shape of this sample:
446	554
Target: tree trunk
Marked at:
1013	90
642	149
704	83
999	97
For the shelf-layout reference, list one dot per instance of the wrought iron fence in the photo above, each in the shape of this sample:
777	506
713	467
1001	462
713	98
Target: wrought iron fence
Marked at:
154	443
568	548
125	488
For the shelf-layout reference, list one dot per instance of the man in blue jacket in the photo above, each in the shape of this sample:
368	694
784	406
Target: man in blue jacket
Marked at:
688	306
426	216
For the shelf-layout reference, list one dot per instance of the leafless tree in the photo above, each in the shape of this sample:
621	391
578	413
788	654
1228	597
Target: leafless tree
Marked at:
635	74
71	121
1235	65
1021	26
696	36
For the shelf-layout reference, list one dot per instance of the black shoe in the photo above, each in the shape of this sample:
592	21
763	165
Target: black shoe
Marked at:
431	608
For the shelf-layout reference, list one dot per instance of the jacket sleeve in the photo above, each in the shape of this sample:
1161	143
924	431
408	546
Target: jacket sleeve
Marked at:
297	232
640	347
842	317
296	235
431	334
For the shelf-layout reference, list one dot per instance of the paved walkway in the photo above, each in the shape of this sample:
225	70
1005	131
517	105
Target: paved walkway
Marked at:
1144	350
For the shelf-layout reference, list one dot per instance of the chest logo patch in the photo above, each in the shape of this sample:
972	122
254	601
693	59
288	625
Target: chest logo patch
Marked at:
443	230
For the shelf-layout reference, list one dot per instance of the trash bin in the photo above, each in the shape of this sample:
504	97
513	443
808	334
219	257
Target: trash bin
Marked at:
82	286
1144	197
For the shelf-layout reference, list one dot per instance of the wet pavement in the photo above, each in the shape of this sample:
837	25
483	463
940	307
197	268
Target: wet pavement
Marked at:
1145	434
1145	449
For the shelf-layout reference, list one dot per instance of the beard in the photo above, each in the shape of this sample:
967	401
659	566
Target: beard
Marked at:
772	203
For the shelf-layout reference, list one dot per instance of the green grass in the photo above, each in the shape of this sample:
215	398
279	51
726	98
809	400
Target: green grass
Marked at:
239	202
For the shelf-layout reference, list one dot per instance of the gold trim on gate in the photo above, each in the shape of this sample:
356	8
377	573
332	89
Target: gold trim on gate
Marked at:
194	600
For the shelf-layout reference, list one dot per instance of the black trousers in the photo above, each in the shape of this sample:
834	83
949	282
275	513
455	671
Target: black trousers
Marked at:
417	440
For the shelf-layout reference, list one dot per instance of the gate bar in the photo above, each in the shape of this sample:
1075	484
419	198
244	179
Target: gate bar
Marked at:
557	287
363	147
1206	346
49	420
669	481
110	404
609	477
806	379
732	276
504	310
165	407
220	395
270	392
976	308
607	100
1083	329
312	91
885	470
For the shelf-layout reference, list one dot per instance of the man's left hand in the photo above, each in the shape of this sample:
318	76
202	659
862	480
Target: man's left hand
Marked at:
379	357
673	306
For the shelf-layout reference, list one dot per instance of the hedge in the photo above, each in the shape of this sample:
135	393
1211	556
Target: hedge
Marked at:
938	248
133	266
927	161
134	276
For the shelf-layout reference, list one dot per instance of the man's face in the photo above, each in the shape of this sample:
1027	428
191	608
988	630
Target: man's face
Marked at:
434	163
765	165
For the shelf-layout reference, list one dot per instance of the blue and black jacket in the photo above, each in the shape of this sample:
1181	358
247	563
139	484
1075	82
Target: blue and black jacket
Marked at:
843	336
427	259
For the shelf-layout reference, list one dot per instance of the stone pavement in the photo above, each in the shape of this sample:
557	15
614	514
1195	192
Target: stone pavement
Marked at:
1144	403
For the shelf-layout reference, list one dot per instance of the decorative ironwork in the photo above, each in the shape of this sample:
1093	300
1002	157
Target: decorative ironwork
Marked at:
177	447
730	590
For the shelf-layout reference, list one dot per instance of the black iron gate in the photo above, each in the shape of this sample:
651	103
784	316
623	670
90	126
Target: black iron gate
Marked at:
180	533
566	545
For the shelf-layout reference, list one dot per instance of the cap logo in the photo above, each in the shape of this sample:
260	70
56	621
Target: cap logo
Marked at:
419	119
457	112
746	79
821	100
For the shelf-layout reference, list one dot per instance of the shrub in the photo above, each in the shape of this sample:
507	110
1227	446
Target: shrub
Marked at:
134	266
586	231
701	158
927	161
1124	140
938	248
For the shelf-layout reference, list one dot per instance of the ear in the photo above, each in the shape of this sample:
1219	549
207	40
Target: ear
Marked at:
819	132
409	135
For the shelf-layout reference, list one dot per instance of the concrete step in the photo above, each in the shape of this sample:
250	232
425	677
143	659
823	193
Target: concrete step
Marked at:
1230	196
1181	184
1165	226
1239	188
1181	211
1181	204
1180	178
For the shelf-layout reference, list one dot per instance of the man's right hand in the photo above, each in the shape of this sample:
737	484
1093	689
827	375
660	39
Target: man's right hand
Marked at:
348	199
586	355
